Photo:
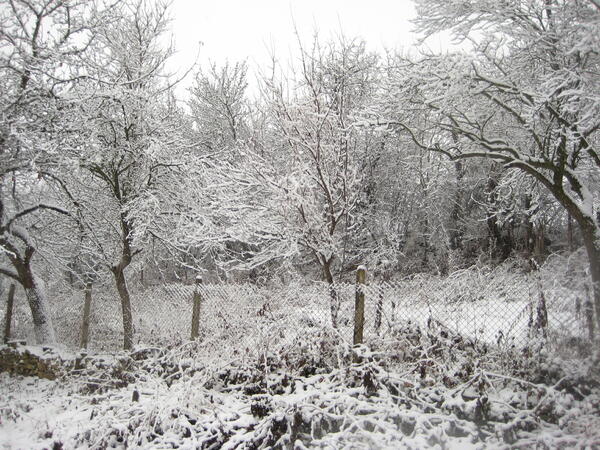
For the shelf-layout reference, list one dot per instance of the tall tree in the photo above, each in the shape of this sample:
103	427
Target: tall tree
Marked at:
42	43
525	96
303	184
134	144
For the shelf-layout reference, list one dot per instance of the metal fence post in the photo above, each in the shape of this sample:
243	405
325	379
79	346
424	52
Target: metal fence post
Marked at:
196	308
359	305
85	324
9	311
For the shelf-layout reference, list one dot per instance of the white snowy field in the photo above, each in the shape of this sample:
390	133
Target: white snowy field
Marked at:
410	390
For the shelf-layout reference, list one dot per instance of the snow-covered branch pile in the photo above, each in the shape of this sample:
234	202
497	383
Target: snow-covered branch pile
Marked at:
415	390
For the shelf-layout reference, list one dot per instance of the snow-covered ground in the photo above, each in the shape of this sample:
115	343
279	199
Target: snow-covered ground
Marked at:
411	389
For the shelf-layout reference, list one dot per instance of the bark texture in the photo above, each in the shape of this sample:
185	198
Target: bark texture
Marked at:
123	291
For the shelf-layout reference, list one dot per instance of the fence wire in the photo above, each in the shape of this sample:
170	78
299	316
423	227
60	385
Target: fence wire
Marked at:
495	307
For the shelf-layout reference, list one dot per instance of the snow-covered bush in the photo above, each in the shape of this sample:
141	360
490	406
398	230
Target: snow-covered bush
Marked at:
413	387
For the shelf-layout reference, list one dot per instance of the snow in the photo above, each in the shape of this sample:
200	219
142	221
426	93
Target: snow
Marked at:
435	394
37	406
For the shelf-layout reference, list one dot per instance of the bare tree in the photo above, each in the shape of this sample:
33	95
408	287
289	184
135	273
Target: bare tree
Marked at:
219	107
525	97
134	143
41	44
296	193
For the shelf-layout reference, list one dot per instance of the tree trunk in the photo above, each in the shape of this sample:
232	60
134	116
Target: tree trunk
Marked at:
379	309
118	272
40	308
196	304
529	231
570	232
334	298
589	312
85	324
591	239
539	248
456	228
34	292
500	245
9	312
359	305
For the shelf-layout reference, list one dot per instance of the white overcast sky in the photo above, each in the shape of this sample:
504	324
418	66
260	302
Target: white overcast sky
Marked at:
235	30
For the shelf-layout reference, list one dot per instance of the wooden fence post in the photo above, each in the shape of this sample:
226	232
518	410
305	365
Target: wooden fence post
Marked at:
9	312
85	324
359	305
196	308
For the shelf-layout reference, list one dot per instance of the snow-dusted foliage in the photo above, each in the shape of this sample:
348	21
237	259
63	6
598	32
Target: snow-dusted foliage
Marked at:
465	182
524	96
41	47
298	191
414	390
133	147
219	108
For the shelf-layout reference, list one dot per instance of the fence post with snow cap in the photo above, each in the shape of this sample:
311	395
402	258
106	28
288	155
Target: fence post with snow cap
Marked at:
196	309
359	305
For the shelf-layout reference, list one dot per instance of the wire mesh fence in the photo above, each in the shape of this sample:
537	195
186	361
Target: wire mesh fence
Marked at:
494	307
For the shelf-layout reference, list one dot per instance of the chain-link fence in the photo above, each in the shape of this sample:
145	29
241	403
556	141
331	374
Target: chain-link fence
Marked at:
495	307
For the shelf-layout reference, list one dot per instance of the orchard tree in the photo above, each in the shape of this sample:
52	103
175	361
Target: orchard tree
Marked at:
291	193
525	96
310	172
42	44
219	107
134	146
